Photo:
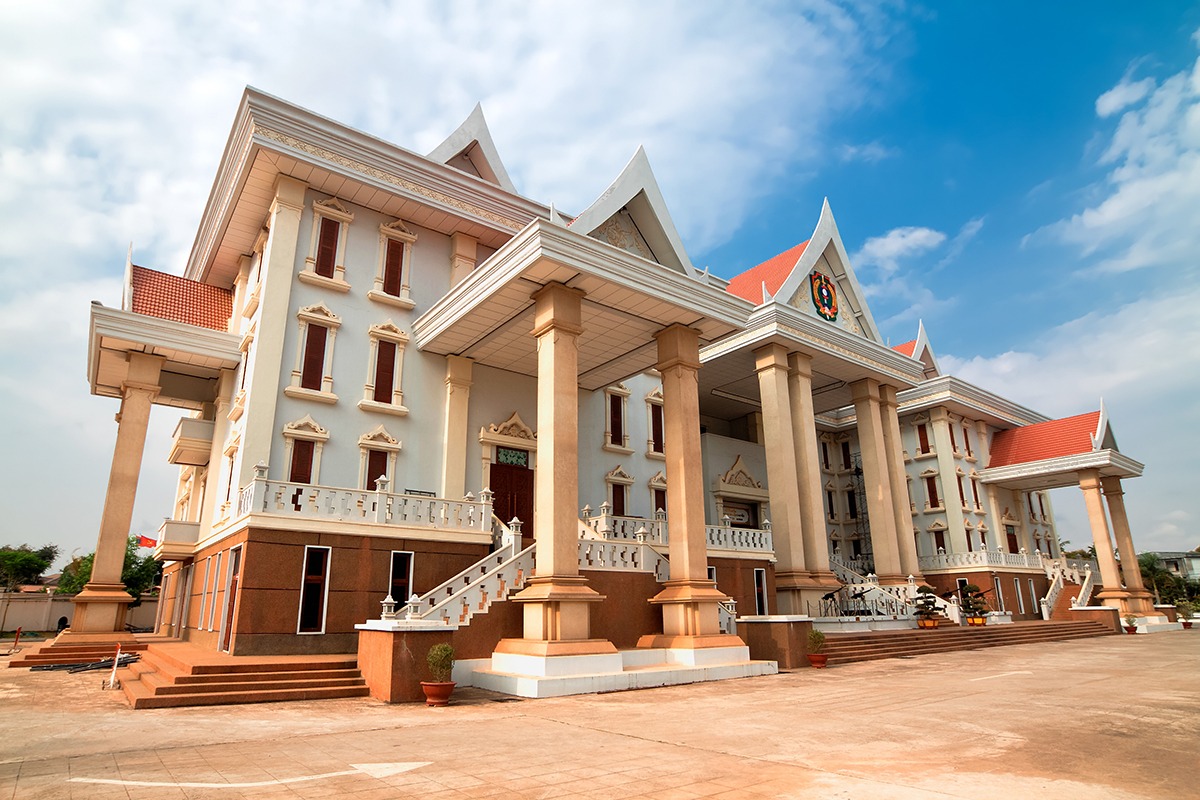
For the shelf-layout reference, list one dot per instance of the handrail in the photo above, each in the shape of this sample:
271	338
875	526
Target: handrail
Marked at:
1085	589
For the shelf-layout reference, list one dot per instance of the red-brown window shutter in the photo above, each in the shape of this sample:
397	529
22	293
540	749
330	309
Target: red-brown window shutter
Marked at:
302	461
616	420
393	265
327	247
313	368
385	371
656	428
923	438
618	491
377	464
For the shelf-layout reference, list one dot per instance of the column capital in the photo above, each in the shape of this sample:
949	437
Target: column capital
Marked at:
459	370
771	356
887	395
289	194
800	363
678	346
1111	486
557	307
1089	479
864	389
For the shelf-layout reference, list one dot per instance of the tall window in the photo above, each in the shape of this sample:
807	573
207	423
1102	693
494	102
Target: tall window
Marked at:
312	376
967	441
922	438
852	503
656	427
1010	533
830	504
825	455
313	589
304	440
401	586
392	277
962	493
846	462
377	467
383	391
324	265
760	592
616	437
619	494
975	492
660	500
378	450
931	491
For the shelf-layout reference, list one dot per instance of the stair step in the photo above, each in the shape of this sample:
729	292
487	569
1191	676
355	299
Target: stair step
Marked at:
257	686
853	647
138	700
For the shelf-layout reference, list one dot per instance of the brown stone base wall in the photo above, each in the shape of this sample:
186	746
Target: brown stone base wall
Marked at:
1109	617
946	582
394	664
784	642
735	577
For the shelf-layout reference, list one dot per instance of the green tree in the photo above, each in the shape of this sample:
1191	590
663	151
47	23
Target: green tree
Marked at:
1167	587
140	574
23	565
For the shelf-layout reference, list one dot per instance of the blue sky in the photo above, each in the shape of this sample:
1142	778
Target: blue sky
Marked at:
1024	177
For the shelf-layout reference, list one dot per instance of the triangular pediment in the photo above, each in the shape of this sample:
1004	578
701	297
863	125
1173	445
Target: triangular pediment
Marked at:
379	438
739	475
632	215
471	149
822	282
514	427
619	475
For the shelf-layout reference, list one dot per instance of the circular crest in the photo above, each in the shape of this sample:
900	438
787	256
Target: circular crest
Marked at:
824	296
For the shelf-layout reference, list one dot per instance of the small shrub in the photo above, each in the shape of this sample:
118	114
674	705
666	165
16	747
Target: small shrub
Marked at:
816	641
441	662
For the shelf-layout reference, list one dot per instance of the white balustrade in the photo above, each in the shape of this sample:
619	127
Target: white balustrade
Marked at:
722	537
1052	594
309	501
622	556
981	558
1085	590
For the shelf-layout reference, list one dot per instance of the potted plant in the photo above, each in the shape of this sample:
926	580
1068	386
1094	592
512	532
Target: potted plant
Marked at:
973	606
441	663
1130	623
817	657
927	610
1184	611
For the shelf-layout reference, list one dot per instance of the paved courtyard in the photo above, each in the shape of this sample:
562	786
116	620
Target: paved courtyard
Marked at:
1114	717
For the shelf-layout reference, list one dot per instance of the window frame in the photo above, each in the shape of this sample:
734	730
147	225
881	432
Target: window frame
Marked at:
307	317
616	399
385	332
304	429
378	440
654	410
324	607
394	233
328	210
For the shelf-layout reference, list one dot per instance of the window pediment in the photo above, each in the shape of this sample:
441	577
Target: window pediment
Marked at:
305	428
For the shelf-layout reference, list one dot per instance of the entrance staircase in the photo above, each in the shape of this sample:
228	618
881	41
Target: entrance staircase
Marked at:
846	648
175	673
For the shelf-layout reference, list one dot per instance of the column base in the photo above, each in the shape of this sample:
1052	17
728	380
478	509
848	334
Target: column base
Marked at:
796	591
893	580
100	609
1137	603
690	615
557	609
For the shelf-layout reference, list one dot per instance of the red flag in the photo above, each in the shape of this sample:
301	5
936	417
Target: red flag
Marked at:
146	541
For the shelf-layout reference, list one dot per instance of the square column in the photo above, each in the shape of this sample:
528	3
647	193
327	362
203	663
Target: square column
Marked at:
100	608
557	599
900	500
1112	594
881	510
782	475
688	599
458	397
955	518
1140	601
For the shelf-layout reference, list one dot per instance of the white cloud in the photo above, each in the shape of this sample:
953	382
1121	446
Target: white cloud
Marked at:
1142	356
899	244
871	152
1144	214
1123	95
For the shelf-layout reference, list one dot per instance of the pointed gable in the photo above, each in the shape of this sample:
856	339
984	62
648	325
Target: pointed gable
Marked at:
632	215
906	349
758	284
920	349
1056	438
471	149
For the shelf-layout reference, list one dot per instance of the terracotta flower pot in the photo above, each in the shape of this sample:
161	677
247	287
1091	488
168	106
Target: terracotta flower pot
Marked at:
927	623
818	660
1187	625
1131	628
437	694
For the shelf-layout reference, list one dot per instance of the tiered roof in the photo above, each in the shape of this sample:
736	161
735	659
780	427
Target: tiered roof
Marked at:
157	294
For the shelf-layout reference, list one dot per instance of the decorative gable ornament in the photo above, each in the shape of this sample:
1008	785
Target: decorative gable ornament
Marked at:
824	296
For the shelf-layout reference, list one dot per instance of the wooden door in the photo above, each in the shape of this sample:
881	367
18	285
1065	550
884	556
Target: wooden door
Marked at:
231	596
512	487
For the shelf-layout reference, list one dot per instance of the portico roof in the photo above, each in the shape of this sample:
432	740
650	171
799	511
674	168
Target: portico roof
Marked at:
729	383
627	299
194	355
1051	454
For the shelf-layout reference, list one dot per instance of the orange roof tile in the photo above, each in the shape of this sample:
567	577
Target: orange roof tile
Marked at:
773	272
907	348
1053	439
157	294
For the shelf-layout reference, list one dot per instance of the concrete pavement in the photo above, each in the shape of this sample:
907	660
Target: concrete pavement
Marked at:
1114	717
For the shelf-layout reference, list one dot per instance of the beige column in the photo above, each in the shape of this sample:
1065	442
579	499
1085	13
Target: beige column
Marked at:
454	436
808	486
100	607
689	600
214	471
783	478
276	276
880	507
906	542
557	600
1140	600
1112	593
463	257
940	423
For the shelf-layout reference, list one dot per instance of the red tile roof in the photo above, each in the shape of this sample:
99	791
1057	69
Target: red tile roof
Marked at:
773	272
907	348
157	294
1053	439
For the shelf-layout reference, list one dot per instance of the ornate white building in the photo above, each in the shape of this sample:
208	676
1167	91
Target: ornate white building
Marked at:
398	376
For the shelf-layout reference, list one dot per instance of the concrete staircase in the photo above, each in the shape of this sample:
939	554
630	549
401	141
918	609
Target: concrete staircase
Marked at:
1063	605
52	653
845	648
176	674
